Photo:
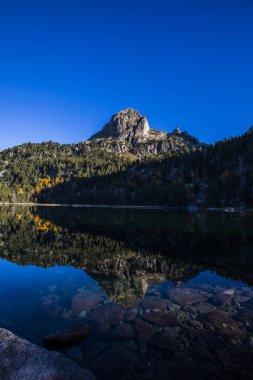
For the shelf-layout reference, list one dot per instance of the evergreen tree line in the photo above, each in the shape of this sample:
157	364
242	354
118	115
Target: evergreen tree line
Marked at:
220	175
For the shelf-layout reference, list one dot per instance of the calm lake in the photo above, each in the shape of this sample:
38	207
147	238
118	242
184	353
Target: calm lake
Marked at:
170	292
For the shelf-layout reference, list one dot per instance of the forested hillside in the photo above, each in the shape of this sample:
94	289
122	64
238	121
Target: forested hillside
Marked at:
129	163
221	175
27	169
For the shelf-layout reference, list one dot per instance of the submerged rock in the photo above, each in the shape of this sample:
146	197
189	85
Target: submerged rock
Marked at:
66	338
20	359
130	314
122	331
106	316
224	324
166	340
152	302
161	319
184	296
144	331
85	301
223	298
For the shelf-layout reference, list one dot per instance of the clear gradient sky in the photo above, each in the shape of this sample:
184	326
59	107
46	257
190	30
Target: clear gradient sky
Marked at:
67	65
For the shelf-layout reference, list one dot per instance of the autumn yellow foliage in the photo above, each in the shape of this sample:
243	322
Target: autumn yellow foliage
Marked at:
47	182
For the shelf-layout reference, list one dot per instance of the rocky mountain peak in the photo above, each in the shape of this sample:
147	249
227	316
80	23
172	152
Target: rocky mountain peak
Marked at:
126	126
128	133
176	131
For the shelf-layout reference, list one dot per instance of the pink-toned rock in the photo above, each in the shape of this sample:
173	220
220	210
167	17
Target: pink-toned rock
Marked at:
229	291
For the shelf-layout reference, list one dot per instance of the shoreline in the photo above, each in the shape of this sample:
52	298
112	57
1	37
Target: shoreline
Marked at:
83	205
137	207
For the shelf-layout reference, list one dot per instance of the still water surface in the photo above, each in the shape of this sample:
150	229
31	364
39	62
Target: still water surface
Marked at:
59	264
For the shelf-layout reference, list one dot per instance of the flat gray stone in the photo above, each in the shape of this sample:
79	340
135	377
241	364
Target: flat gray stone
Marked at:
185	296
20	359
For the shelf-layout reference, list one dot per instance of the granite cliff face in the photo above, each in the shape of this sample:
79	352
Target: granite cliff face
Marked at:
127	126
129	132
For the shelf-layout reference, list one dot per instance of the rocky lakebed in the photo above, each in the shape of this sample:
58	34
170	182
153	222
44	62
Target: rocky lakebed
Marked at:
177	333
204	332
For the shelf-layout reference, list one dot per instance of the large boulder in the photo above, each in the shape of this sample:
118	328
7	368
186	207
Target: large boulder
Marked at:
20	359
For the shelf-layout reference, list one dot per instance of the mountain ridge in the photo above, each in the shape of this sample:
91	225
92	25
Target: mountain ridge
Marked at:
129	131
127	162
153	134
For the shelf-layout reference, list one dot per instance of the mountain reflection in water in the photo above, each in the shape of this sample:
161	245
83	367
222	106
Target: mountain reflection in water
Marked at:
189	264
127	250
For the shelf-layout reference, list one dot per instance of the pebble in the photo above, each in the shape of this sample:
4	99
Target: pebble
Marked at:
229	291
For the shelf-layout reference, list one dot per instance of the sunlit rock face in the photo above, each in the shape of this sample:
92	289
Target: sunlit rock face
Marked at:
126	126
129	132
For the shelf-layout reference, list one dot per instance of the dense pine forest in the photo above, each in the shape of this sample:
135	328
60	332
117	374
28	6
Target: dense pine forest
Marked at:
27	169
220	175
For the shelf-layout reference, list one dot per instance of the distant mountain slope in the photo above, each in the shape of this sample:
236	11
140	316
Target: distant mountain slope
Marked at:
127	162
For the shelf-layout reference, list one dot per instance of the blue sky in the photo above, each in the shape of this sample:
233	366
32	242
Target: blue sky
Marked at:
67	65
